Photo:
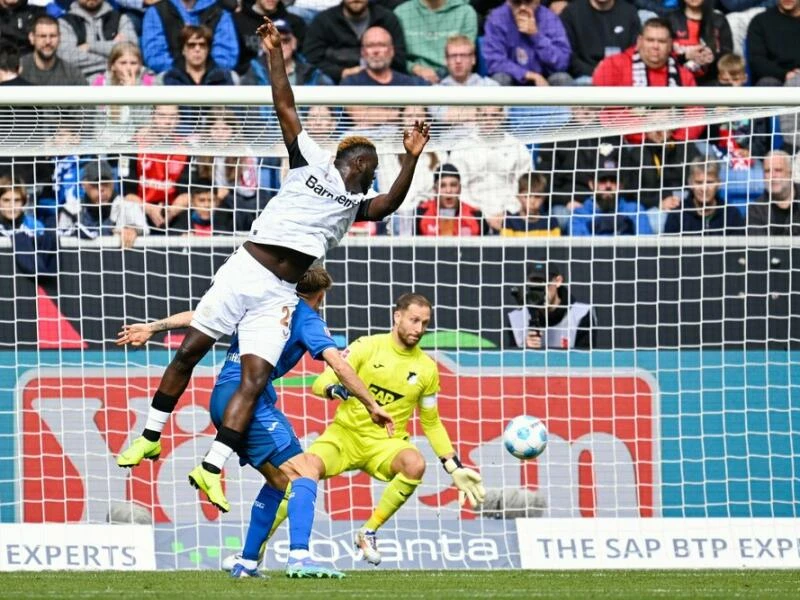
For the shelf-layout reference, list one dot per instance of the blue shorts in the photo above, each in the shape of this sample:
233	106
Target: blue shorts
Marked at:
270	437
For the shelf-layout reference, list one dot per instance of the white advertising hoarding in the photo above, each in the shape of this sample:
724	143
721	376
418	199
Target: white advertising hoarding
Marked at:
51	546
659	543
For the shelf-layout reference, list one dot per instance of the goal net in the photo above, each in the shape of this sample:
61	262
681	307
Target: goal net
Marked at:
662	357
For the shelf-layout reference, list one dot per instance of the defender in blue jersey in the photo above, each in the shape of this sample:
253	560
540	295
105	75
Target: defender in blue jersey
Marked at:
270	437
270	445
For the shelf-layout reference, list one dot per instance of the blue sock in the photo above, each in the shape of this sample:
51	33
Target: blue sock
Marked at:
261	517
302	498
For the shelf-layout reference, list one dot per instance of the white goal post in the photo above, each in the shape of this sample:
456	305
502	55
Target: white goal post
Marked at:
678	421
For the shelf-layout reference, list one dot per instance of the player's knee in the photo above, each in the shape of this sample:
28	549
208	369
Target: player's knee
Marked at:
274	477
314	466
412	465
186	358
278	480
302	465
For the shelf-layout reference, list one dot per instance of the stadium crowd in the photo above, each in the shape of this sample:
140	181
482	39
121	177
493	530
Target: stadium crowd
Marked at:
732	178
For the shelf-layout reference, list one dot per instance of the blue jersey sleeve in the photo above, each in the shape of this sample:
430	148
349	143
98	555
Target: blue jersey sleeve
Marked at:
316	336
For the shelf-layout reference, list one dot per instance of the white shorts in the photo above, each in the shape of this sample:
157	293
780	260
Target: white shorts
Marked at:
247	296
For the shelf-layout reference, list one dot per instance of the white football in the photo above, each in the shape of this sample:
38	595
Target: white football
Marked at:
525	437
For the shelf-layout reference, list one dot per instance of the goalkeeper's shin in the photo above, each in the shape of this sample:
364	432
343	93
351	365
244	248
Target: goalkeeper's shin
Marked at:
396	494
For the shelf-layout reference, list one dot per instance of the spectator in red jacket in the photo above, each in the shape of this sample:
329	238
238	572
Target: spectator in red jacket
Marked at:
650	63
158	180
446	214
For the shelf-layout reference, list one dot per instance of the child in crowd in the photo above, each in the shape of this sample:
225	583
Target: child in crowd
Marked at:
35	249
533	218
207	214
13	214
731	70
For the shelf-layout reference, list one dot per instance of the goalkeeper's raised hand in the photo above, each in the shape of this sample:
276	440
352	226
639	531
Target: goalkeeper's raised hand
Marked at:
468	481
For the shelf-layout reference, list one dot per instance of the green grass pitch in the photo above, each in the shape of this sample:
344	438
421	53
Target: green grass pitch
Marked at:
402	585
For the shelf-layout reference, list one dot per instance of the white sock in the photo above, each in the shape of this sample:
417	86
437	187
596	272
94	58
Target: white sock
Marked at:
299	554
156	419
248	563
218	455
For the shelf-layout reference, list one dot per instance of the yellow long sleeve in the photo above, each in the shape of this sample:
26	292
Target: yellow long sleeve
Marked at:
435	431
323	380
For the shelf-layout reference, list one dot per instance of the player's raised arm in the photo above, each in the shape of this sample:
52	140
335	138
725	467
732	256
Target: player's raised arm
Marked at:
414	141
353	384
282	95
137	334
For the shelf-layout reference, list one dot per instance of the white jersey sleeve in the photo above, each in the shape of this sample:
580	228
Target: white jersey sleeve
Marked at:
304	151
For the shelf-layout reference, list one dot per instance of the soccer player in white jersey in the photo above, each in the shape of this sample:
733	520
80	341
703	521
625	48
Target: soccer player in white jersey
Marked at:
254	290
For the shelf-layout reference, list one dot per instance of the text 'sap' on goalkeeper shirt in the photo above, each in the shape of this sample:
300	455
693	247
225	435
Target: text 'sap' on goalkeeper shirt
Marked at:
308	333
401	380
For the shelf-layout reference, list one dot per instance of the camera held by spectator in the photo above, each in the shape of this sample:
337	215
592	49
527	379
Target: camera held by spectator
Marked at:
548	317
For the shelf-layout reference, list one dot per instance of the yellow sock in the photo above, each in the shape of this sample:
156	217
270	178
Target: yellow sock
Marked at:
394	496
282	513
280	517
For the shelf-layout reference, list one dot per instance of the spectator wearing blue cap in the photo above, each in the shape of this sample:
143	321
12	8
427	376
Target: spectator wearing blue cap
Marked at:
100	210
607	212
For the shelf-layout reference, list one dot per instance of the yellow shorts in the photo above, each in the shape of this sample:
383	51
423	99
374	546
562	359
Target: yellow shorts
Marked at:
342	450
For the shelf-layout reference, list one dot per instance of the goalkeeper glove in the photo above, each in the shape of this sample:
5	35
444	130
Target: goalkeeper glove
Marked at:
337	391
469	482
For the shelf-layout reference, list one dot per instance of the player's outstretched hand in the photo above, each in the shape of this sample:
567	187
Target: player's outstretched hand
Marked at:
414	139
136	335
470	486
380	417
269	34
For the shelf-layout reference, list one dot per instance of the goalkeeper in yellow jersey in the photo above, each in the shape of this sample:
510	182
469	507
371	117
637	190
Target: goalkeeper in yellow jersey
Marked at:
402	378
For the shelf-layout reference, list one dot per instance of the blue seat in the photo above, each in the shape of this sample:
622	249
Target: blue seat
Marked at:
483	70
742	185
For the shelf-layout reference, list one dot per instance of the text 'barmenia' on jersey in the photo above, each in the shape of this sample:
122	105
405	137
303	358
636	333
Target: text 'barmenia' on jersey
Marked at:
313	183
